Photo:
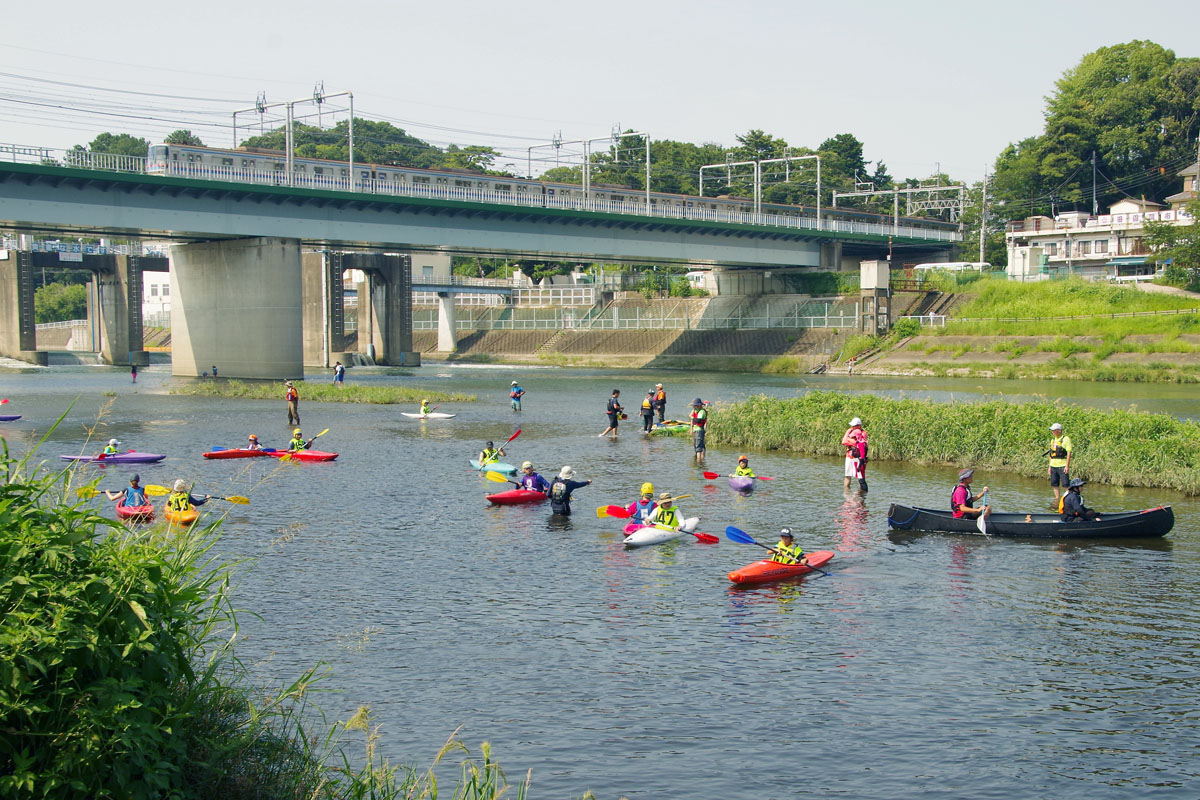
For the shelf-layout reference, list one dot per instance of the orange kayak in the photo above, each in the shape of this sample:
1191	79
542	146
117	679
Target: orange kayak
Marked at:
184	518
766	570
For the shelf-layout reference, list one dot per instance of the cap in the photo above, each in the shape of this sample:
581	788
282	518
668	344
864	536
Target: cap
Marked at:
743	458
489	444
252	436
288	383
786	531
526	465
1056	426
113	441
425	400
966	473
179	485
1076	482
514	383
135	478
647	488
566	473
697	402
856	422
665	497
658	386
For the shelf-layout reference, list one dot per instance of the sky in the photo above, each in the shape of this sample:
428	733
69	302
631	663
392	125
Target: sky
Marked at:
924	85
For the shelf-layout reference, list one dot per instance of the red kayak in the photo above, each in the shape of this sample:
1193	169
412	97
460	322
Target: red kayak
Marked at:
135	513
236	452
766	571
302	455
515	497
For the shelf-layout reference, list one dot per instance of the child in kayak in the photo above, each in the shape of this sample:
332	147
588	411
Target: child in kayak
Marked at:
667	514
425	409
489	454
787	551
743	469
181	500
134	496
532	481
297	442
110	449
644	506
252	442
560	491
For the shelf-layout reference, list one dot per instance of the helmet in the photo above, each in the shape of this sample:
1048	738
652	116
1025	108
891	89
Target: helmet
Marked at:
786	531
252	438
296	432
743	458
179	485
113	442
136	478
647	488
526	465
426	400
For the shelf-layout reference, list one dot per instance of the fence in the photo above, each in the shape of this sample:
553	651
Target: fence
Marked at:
930	320
1112	315
568	321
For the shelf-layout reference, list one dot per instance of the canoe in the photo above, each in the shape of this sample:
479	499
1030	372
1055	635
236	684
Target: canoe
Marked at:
302	455
766	570
495	466
236	452
181	517
741	483
515	497
648	536
1150	522
430	415
132	457
143	513
9	417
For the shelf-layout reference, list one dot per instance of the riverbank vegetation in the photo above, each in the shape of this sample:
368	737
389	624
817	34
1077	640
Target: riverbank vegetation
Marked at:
320	392
1124	448
118	677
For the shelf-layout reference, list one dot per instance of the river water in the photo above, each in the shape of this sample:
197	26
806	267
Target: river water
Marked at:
942	666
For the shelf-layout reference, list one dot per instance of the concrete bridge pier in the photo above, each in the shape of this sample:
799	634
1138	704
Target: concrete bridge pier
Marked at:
18	327
447	323
237	306
324	309
117	289
384	306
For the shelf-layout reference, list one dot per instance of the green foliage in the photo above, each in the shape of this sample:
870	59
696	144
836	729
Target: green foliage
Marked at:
58	302
120	144
903	328
374	143
473	157
1127	448
183	137
1179	244
856	345
323	392
1075	296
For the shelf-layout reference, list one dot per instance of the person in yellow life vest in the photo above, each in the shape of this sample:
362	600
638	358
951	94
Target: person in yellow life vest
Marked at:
667	514
110	449
787	551
1060	461
425	409
743	469
648	412
489	454
297	442
180	500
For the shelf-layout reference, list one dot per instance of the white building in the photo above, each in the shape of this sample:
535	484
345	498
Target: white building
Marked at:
1107	246
156	299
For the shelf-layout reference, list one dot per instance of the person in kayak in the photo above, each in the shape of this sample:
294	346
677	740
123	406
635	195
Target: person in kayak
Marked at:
531	480
855	442
613	409
489	454
252	442
743	469
644	506
961	498
1060	460
134	496
787	551
110	449
699	423
425	409
293	403
660	402
181	500
297	442
560	491
648	412
1073	508
515	394
667	514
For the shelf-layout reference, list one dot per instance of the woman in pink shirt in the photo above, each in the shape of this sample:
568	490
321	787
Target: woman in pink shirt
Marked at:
855	442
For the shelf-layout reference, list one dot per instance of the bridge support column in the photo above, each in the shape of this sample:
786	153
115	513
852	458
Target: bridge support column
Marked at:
119	289
831	257
18	328
324	309
447	323
237	305
384	308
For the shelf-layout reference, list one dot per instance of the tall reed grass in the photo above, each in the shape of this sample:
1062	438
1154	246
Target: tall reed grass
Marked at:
1121	447
320	392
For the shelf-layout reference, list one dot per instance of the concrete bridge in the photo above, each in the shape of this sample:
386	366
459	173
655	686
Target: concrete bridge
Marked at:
239	274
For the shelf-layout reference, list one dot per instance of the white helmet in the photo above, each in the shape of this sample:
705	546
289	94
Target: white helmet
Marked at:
856	423
113	442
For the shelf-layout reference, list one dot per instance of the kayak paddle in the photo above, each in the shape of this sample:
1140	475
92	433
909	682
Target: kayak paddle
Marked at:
2	402
712	475
623	513
87	492
318	436
613	511
516	433
740	536
498	478
154	490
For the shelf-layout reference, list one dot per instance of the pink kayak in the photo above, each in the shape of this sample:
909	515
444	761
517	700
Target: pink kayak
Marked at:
741	483
135	513
236	452
131	457
302	455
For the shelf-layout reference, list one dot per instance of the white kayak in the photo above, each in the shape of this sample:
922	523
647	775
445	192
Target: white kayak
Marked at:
647	536
430	415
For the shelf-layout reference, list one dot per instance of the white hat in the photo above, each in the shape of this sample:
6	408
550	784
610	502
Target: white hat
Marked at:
113	441
566	473
514	383
1056	426
856	422
179	485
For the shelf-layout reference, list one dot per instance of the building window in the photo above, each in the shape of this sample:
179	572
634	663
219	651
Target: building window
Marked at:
1084	248
426	272
166	289
1051	248
1102	245
154	290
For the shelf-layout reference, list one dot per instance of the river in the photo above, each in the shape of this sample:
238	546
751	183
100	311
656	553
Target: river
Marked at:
943	666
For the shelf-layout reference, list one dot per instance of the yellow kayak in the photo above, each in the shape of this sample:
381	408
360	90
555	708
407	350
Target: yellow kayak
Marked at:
181	517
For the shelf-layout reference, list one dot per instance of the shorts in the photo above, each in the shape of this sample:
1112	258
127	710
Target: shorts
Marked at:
1059	477
613	419
698	439
851	470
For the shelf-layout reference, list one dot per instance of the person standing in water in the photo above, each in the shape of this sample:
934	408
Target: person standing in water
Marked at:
293	403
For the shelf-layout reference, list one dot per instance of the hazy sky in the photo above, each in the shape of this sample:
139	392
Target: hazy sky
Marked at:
920	83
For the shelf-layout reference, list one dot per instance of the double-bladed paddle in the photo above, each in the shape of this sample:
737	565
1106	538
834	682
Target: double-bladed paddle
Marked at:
498	478
516	433
154	490
740	536
713	476
623	513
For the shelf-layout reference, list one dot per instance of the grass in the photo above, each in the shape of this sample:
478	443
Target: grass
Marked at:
320	392
1124	448
1070	369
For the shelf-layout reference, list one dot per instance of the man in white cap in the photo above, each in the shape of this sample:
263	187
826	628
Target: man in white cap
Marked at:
1060	460
181	500
515	394
855	442
560	491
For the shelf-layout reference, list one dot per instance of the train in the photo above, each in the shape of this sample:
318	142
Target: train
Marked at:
262	166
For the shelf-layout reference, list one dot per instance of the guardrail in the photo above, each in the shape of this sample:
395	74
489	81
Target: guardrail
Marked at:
77	248
71	323
1112	315
929	320
647	323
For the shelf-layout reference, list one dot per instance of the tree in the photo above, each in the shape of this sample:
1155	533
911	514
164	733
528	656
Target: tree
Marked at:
58	302
183	137
120	144
473	157
374	143
1180	245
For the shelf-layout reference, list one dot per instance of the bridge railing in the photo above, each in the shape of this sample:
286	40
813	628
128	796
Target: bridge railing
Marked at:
569	321
83	159
78	248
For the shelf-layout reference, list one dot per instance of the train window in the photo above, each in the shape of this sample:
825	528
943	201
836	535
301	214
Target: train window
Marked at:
318	170
521	188
382	176
227	162
247	163
278	167
616	198
503	187
420	179
462	184
396	176
174	156
550	192
366	176
345	173
444	181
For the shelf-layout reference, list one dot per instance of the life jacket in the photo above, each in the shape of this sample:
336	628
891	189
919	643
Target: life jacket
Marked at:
744	472
642	510
297	444
292	394
109	450
666	516
1062	500
134	496
786	554
661	397
532	481
1056	449
488	456
560	495
179	501
647	405
700	418
965	503
424	409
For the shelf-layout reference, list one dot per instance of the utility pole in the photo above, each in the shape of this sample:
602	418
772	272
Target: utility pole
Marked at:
983	215
1095	208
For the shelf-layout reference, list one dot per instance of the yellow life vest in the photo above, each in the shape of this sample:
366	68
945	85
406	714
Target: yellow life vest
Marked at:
647	404
786	554
488	456
744	472
1059	450
179	501
666	516
297	444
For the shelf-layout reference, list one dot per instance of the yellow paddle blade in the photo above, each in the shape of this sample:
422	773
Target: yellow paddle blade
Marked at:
602	512
322	433
237	499
86	492
154	490
496	476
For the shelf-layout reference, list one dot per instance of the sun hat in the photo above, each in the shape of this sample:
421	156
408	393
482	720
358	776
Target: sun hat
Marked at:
966	473
665	497
526	465
289	383
697	402
856	423
566	473
1056	426
179	485
514	383
786	531
658	386
1075	483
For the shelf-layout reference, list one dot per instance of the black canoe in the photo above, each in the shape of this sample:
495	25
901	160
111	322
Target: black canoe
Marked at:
1126	524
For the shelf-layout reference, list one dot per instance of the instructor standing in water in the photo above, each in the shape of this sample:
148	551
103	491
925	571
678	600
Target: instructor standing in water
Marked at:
293	403
613	410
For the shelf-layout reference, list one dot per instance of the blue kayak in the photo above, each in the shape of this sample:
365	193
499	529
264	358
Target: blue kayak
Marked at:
495	466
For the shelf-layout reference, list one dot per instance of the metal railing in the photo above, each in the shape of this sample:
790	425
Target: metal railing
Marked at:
76	248
82	159
929	320
70	323
659	323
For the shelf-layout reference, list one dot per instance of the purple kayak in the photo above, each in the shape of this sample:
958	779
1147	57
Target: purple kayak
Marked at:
741	483
132	457
9	417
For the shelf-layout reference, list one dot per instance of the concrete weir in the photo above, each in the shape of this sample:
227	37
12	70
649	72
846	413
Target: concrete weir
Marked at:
237	306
